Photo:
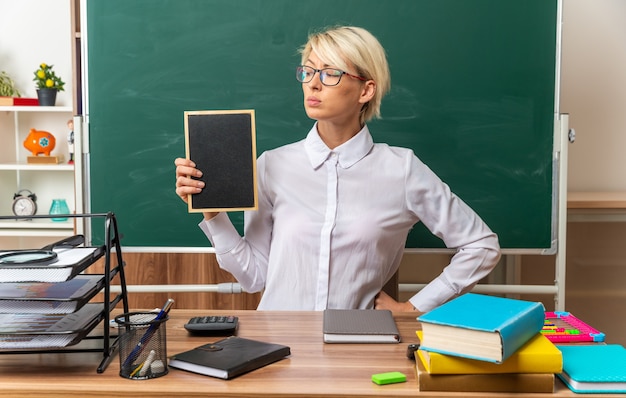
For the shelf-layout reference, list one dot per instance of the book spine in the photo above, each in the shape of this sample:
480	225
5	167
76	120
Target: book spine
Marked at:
20	101
499	382
503	382
448	364
521	329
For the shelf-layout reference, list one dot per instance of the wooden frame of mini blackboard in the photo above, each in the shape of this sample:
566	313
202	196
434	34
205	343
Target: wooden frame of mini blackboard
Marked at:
222	144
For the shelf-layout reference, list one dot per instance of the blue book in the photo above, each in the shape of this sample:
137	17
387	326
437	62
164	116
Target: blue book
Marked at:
594	368
482	327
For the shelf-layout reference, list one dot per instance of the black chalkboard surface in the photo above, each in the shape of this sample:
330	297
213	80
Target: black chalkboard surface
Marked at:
222	143
473	94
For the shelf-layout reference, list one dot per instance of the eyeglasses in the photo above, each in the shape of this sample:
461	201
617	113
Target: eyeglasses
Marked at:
328	76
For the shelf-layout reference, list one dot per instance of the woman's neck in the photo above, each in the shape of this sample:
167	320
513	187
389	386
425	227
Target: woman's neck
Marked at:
334	134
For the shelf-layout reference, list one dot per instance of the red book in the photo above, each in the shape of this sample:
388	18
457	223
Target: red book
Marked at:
18	101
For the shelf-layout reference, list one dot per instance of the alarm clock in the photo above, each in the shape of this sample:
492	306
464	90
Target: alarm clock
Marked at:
24	205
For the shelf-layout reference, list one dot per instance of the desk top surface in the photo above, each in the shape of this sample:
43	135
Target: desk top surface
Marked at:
596	200
314	369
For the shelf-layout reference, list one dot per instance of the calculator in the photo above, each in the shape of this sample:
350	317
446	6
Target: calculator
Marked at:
212	325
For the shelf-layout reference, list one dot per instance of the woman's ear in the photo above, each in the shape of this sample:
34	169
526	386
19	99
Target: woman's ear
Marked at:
368	91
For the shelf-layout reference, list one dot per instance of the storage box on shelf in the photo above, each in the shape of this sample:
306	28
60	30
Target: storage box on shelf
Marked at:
47	181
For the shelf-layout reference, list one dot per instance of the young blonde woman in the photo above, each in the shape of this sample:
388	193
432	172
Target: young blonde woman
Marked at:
335	208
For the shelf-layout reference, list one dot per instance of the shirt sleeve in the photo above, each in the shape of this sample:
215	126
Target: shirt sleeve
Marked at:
452	220
245	258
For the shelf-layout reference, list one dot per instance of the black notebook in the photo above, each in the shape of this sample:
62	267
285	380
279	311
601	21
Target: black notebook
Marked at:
230	357
360	326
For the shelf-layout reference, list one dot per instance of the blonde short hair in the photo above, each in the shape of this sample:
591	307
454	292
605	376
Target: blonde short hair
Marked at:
347	46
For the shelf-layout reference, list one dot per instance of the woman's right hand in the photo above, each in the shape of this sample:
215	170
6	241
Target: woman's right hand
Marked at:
185	185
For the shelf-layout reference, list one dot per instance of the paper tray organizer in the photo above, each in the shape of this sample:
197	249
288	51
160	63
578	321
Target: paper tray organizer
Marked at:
50	298
34	331
56	312
71	262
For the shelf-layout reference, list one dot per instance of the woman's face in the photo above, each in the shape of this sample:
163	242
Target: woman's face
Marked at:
339	104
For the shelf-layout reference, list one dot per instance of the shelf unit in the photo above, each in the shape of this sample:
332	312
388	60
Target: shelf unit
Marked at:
108	250
47	181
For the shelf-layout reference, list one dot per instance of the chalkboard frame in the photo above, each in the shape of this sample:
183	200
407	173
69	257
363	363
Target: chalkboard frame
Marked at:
224	142
421	37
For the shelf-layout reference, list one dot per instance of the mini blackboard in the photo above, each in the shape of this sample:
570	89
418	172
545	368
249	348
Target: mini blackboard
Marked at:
223	146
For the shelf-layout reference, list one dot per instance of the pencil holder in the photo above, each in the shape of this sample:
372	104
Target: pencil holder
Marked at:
142	345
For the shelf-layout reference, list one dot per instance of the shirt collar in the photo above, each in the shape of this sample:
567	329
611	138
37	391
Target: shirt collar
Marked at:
348	153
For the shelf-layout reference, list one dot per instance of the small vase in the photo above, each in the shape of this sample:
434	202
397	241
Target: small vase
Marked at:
59	206
47	96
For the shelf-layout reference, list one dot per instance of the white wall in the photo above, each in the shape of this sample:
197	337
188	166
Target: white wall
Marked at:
32	32
593	92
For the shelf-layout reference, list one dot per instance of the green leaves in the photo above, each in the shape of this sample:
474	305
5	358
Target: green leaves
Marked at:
7	86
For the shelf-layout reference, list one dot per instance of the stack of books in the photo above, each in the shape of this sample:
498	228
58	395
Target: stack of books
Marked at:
482	343
18	101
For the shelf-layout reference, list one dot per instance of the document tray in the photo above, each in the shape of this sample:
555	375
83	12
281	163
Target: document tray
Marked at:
37	331
70	263
49	298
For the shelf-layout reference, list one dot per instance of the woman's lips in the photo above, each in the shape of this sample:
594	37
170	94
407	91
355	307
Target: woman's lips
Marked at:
312	101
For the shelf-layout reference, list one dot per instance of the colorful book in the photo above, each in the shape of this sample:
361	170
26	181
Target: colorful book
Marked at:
538	355
495	382
482	327
594	368
360	326
230	357
563	327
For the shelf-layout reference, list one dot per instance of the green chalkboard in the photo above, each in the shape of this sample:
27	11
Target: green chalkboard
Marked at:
473	93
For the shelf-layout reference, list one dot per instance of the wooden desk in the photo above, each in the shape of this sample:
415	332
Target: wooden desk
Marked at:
314	369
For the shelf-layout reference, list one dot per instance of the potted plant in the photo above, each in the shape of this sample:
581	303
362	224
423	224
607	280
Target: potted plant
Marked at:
48	84
7	86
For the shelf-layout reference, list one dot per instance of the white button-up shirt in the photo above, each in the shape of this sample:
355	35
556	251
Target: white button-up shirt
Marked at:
331	227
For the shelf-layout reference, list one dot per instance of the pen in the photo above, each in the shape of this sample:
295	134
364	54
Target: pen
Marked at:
148	335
